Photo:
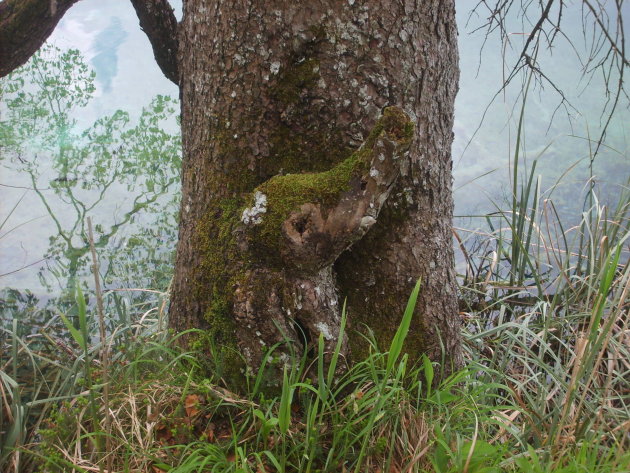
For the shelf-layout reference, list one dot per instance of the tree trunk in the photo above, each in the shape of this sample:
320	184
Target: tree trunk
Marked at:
288	164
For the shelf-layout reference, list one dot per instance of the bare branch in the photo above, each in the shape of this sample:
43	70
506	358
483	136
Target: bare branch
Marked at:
158	21
605	53
618	50
24	27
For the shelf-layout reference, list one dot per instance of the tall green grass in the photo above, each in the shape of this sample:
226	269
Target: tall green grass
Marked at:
58	365
545	389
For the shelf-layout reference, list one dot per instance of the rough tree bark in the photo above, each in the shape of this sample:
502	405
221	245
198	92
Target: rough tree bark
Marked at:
274	88
300	187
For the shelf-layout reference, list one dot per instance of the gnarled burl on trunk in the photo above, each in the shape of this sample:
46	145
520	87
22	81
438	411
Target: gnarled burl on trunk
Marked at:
289	234
277	98
298	225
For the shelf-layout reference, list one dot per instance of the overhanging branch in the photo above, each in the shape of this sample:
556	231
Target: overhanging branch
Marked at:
158	21
24	27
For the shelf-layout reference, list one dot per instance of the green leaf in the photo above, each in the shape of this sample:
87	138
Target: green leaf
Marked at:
284	412
76	335
403	329
428	373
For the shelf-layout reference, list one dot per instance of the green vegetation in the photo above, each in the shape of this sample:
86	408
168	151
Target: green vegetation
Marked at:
77	171
285	193
544	389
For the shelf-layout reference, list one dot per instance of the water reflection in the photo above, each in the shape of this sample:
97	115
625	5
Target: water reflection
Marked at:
122	172
105	62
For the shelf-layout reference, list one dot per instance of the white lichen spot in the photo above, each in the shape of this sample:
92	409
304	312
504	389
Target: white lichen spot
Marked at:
374	172
324	330
364	92
408	195
284	359
235	135
367	222
187	208
233	94
275	67
253	215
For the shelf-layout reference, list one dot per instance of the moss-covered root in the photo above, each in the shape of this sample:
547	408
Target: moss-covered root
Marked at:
307	220
285	311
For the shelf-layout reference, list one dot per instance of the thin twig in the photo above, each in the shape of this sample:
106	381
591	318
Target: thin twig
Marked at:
104	348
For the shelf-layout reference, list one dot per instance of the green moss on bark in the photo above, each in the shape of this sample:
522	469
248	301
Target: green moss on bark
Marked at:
231	149
215	237
383	313
228	256
285	194
220	340
300	140
295	149
220	267
295	81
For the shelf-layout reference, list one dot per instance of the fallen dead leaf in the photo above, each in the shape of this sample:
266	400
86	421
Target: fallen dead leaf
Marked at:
192	404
